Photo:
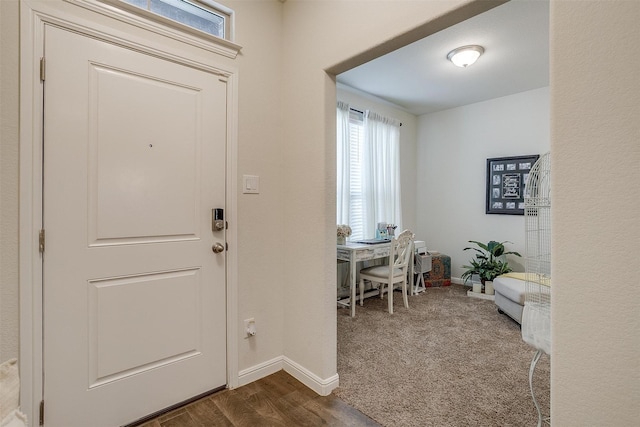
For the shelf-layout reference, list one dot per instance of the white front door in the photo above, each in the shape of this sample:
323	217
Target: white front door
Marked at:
134	296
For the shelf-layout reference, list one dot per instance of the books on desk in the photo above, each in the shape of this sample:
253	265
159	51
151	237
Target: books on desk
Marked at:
373	241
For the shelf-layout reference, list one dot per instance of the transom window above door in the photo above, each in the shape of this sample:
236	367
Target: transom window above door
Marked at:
201	23
201	15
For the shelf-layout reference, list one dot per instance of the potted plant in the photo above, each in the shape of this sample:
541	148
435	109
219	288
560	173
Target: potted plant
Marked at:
488	263
344	231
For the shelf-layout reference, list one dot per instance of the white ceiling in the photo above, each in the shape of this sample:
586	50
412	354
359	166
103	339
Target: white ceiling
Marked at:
420	79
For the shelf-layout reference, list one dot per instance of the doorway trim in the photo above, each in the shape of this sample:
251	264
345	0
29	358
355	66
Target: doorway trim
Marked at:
34	15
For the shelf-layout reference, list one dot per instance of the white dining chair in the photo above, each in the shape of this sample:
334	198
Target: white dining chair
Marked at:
397	270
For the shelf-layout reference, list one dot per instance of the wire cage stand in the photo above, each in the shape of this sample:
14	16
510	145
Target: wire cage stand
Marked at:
536	317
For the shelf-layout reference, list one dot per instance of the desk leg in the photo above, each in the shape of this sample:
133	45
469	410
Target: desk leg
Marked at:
352	284
412	288
420	287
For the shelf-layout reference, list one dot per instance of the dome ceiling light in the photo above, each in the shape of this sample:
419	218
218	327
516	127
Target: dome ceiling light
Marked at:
465	55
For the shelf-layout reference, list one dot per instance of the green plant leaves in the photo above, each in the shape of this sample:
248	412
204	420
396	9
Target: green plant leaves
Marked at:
487	264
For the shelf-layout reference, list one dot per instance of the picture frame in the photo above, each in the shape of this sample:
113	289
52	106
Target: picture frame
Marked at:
506	182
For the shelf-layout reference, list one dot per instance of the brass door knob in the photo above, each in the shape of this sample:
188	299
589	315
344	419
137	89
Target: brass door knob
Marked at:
217	248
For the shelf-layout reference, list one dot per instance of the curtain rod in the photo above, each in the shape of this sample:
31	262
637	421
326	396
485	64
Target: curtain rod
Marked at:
362	112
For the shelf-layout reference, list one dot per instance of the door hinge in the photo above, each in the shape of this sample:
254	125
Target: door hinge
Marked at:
42	66
41	418
41	241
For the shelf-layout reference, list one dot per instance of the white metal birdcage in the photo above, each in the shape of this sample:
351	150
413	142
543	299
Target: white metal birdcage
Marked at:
536	316
537	214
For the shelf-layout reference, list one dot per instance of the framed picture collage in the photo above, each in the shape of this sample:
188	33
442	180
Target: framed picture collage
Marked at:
506	181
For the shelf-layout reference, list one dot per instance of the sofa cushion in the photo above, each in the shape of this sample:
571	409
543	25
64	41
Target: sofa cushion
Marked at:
513	289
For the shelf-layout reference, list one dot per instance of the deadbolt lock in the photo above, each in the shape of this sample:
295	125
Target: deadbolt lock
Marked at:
217	219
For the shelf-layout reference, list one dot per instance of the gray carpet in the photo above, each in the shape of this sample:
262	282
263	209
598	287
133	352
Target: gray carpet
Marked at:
448	360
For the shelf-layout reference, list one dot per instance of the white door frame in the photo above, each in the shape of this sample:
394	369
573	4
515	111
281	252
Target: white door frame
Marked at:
34	16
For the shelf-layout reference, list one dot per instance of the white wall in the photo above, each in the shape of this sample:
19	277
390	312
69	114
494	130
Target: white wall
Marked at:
453	147
595	154
260	152
363	101
9	57
323	36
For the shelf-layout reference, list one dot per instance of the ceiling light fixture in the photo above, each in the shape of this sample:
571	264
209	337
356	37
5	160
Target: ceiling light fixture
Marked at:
465	55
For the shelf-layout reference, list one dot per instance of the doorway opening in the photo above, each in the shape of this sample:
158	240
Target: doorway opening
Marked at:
431	209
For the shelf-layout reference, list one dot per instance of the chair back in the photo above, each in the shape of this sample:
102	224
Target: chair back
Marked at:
401	250
400	255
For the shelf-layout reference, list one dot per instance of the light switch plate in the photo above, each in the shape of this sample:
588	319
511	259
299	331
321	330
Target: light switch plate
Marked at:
250	184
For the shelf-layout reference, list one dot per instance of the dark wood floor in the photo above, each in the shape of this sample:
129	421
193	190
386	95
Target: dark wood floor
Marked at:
276	400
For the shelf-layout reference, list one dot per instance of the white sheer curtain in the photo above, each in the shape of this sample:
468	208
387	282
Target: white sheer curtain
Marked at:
381	172
343	163
368	171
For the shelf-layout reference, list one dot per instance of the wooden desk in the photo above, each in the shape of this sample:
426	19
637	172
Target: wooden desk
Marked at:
356	252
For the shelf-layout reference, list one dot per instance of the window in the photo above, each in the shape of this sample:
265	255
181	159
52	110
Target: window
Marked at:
203	16
201	23
356	199
368	171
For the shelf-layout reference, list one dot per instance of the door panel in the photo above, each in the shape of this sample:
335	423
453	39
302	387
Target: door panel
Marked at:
134	298
133	135
131	313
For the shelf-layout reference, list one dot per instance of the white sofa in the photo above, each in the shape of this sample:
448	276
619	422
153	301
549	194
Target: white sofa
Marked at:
509	293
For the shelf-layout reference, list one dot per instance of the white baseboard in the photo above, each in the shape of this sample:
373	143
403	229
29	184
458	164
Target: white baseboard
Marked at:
311	380
457	281
260	370
306	377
